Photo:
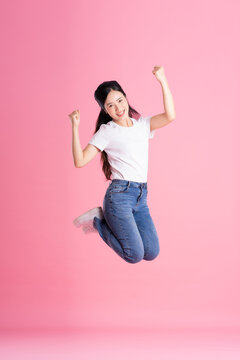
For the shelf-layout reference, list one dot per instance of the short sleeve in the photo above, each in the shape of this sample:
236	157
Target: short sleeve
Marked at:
100	138
146	123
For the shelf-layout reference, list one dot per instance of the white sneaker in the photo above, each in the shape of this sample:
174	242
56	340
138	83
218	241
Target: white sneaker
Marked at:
89	228
86	219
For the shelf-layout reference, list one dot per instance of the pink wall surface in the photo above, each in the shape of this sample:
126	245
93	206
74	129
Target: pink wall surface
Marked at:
53	56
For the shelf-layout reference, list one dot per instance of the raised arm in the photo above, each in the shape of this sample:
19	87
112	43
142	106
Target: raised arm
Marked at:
165	118
80	157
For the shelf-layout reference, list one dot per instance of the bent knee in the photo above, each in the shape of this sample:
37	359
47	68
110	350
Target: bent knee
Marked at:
151	255
134	256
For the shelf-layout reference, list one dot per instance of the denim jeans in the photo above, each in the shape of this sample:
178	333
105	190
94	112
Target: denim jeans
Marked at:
127	226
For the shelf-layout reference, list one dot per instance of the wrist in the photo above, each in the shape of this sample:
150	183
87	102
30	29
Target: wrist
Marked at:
163	81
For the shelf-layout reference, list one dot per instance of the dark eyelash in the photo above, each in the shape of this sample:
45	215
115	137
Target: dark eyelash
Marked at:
119	101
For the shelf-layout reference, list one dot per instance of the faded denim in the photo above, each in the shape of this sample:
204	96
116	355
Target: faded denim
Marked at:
127	226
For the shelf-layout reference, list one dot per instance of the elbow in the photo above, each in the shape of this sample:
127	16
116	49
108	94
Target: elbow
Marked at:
78	165
171	115
171	118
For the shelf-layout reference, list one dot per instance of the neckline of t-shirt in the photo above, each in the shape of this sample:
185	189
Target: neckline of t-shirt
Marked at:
127	127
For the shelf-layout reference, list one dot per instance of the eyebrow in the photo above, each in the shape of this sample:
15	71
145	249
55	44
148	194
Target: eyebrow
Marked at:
117	99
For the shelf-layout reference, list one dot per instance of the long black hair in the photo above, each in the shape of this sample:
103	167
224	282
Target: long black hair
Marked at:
100	96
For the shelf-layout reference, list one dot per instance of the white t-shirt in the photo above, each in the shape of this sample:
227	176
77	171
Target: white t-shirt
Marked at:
126	147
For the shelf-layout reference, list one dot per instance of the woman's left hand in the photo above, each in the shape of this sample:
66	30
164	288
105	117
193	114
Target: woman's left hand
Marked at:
158	71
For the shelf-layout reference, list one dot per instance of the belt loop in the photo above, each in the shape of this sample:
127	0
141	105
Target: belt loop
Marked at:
128	184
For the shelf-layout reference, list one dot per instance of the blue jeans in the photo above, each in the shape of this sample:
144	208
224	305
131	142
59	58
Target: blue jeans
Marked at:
127	226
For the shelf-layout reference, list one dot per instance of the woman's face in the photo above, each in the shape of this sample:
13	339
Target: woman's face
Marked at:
116	105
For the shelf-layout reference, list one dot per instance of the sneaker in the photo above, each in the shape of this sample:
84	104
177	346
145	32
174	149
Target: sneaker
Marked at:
86	219
89	228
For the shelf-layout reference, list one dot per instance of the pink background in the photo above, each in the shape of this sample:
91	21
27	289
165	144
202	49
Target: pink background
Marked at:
54	55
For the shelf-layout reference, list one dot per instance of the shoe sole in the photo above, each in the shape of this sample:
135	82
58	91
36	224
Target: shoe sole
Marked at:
87	216
89	228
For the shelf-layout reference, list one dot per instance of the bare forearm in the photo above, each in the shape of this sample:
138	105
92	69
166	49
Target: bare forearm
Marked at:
167	99
76	147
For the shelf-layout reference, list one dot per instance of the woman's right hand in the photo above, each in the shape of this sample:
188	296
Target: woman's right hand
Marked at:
75	117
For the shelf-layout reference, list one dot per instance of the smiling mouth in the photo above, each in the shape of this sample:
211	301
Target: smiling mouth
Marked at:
121	114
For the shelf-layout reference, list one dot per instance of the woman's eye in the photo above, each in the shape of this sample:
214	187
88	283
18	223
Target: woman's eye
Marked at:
119	101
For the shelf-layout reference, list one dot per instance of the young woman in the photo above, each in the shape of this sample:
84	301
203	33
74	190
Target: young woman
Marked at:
124	222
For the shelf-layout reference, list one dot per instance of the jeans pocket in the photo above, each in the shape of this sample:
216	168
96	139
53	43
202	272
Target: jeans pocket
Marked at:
118	188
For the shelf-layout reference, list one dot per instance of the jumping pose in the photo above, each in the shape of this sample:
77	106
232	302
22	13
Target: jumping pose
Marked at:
124	221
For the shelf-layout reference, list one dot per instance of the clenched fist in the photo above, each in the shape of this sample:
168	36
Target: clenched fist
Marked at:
158	71
75	117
